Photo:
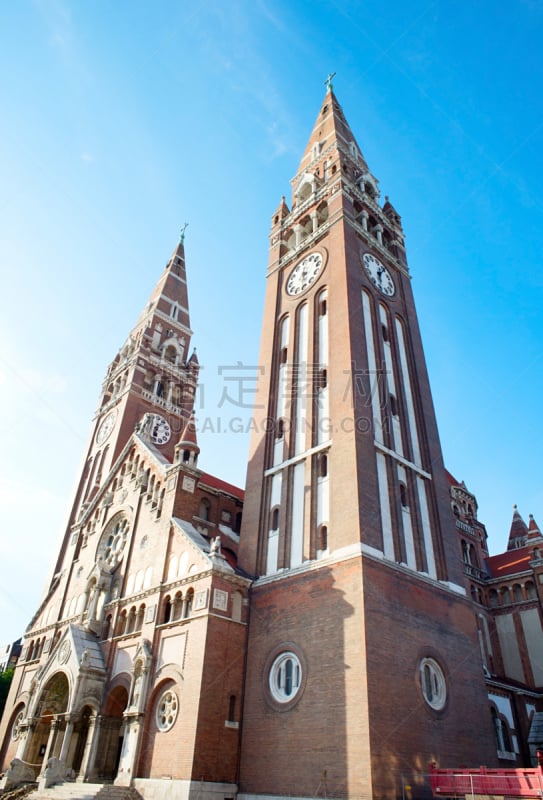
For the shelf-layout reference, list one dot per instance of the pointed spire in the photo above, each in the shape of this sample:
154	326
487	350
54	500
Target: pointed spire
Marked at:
193	360
533	528
390	212
186	449
281	212
170	293
518	532
188	437
330	128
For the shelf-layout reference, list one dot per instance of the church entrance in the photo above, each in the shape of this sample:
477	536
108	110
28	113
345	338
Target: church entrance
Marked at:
47	737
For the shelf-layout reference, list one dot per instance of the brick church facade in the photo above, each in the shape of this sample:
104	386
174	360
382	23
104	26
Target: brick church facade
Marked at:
352	627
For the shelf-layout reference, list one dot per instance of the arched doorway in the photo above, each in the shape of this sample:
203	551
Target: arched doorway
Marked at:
47	737
112	728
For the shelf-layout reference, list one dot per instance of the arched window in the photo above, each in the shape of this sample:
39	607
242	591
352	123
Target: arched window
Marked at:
275	519
501	731
107	627
131	622
323	538
166	610
322	214
323	465
403	495
531	593
188	603
518	596
204	509
170	354
140	617
323	378
493	601
172	568
121	624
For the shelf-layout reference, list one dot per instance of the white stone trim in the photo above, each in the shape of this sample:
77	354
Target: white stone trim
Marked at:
299	457
403	460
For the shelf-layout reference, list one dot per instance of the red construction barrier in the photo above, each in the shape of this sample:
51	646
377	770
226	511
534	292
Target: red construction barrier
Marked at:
483	781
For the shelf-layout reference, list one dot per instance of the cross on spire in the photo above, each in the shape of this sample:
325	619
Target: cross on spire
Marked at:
328	82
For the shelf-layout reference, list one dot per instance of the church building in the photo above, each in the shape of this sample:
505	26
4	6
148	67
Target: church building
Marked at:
352	627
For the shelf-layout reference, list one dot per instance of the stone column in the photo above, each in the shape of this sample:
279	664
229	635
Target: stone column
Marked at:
67	739
53	731
26	738
87	771
130	750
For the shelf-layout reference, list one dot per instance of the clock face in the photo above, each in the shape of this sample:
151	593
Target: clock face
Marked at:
106	427
304	274
160	430
378	274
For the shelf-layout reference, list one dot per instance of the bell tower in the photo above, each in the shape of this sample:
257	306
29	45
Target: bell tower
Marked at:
360	655
152	374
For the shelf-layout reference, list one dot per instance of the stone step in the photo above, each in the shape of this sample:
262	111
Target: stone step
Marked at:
110	792
68	791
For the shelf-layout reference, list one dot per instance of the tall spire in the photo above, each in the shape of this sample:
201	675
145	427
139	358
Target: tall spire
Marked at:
330	130
170	294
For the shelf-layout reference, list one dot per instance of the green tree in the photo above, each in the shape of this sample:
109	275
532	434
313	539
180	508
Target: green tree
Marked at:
5	681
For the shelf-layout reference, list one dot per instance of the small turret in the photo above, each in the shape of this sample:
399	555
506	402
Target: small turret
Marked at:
518	532
186	449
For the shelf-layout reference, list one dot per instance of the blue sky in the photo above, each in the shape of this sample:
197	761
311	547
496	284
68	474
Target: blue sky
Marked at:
123	120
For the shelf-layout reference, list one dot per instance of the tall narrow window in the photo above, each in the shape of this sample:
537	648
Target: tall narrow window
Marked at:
323	537
323	465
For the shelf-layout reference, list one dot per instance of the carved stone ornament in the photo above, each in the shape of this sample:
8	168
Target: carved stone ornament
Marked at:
64	652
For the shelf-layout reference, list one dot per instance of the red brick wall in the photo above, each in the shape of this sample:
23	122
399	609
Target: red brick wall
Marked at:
407	619
321	744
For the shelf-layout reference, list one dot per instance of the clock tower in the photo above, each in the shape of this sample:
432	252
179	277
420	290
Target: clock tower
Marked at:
360	666
151	381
